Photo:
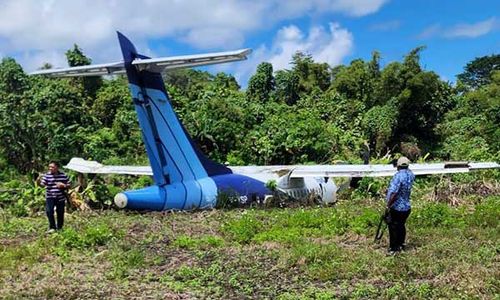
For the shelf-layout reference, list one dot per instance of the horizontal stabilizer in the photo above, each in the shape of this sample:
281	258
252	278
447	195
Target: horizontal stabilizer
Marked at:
156	65
81	165
90	70
186	61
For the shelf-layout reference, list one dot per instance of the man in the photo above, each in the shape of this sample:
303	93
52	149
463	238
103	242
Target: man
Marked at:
398	203
56	183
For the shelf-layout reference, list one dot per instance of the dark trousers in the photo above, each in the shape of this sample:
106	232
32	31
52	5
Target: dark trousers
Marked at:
49	209
397	229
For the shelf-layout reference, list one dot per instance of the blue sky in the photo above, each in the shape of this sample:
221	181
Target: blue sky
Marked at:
335	31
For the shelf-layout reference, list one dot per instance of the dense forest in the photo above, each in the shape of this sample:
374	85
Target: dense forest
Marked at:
311	113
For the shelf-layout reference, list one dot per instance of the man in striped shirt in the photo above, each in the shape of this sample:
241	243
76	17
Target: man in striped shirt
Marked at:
56	183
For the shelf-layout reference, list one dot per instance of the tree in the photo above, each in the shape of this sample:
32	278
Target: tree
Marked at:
311	74
374	64
110	98
471	130
39	118
356	82
287	86
75	58
479	71
224	81
13	80
261	84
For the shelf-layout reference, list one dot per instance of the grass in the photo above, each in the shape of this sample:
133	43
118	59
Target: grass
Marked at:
291	253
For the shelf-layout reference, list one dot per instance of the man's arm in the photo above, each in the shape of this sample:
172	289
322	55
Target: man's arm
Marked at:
392	199
41	180
64	184
393	190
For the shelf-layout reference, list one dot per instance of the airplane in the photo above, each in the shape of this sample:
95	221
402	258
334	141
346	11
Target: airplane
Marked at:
184	178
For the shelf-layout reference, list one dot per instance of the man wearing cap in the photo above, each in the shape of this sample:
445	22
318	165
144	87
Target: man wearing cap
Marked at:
398	203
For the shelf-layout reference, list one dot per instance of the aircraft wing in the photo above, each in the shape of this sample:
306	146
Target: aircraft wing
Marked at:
297	171
159	65
388	170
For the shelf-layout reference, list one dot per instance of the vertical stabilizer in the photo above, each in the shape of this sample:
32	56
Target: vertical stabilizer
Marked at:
172	153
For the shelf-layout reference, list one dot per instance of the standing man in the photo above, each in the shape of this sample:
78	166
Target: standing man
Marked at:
398	203
56	183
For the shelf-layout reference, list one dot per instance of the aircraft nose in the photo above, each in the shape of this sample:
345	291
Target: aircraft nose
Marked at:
121	200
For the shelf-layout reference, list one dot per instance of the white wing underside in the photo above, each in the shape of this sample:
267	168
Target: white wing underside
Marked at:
158	65
298	171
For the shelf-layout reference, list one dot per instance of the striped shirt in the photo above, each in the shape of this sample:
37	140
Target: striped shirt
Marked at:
49	181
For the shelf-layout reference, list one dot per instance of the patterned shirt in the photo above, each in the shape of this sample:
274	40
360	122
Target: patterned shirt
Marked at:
401	184
49	182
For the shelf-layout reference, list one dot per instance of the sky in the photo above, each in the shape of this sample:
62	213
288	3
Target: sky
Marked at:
454	32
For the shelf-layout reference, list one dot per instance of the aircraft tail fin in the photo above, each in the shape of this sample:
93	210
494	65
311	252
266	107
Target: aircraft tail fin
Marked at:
173	154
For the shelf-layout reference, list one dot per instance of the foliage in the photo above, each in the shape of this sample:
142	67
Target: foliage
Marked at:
471	130
478	72
261	84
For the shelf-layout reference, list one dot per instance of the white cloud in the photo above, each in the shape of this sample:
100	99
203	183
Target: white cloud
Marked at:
39	58
208	38
44	25
325	45
330	45
357	7
471	30
430	32
460	30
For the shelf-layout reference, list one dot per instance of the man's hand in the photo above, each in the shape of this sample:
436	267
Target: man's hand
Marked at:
60	185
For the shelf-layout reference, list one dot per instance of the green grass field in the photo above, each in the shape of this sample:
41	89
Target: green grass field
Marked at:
292	253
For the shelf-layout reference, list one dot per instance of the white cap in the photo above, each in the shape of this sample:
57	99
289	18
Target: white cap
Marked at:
403	162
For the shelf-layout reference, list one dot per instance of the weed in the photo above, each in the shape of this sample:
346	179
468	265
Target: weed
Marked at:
203	242
123	262
434	214
486	214
242	229
91	236
364	291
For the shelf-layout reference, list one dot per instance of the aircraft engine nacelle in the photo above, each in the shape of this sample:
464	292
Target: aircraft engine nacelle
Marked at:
149	198
184	195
